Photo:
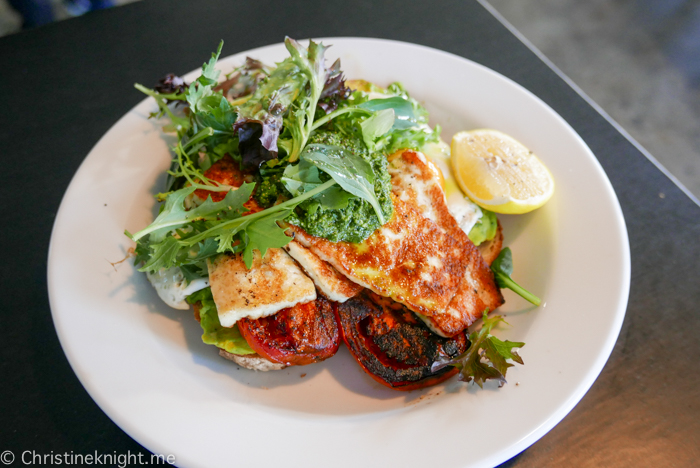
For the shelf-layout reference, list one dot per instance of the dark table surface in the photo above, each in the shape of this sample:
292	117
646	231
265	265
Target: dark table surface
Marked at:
63	86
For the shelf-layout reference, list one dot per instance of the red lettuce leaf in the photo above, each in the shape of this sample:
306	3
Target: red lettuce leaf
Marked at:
251	143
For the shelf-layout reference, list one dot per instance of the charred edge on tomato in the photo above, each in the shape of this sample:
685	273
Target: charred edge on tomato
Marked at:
299	335
392	346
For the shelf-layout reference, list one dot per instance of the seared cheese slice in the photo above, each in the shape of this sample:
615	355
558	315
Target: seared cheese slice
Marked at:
409	259
477	293
273	283
327	279
465	212
416	180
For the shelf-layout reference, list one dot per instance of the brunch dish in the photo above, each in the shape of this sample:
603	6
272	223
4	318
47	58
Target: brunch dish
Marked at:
302	209
146	364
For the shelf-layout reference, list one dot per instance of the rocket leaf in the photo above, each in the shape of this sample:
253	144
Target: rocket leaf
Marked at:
180	236
351	172
174	214
263	234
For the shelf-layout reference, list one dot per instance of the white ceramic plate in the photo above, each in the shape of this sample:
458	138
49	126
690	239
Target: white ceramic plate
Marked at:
146	367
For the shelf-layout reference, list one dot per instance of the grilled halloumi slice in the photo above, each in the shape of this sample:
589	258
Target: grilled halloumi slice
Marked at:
273	283
327	279
409	259
415	180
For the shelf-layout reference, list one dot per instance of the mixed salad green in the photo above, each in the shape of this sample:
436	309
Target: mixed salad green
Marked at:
314	148
314	152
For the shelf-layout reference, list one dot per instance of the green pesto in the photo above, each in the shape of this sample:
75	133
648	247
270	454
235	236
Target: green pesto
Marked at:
269	187
357	220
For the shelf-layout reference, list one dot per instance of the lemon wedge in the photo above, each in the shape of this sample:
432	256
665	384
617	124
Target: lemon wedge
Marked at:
499	173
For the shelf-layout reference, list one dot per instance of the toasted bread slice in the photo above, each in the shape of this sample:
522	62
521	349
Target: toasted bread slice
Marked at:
491	248
252	361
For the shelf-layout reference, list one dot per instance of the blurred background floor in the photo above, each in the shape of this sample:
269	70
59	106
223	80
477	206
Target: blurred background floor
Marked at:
638	59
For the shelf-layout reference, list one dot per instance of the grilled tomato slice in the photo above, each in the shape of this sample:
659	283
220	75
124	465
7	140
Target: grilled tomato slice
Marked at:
296	336
392	345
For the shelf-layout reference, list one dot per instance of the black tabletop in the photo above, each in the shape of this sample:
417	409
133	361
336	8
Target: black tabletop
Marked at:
64	85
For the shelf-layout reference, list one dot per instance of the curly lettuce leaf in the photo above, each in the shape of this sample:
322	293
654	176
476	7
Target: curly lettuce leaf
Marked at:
286	85
252	141
210	75
311	63
228	339
203	87
218	114
171	84
487	356
244	80
206	132
334	90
